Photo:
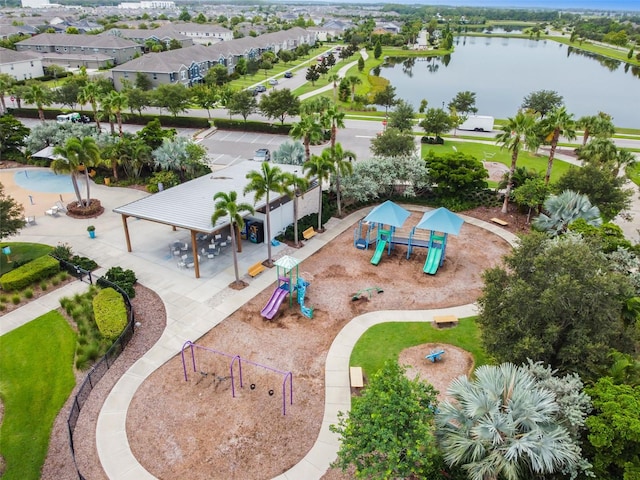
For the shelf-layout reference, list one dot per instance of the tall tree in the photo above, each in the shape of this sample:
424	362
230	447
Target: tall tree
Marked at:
464	102
335	118
321	167
402	116
295	186
75	155
262	183
226	204
334	79
386	98
308	129
388	433
504	425
242	102
556	300
118	102
6	82
40	96
11	215
91	94
12	136
559	122
542	102
205	96
175	97
600	126
436	121
519	132
280	104
393	143
343	166
354	81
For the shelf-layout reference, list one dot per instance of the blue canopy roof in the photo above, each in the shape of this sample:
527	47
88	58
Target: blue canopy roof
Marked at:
441	220
388	213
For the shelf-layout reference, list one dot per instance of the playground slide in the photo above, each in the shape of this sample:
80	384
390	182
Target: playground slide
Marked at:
378	253
272	306
433	261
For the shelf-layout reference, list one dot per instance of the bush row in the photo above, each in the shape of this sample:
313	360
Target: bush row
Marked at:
39	269
110	313
125	279
252	126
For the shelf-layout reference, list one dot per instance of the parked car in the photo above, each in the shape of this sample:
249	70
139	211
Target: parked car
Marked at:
261	88
262	155
72	118
273	81
288	74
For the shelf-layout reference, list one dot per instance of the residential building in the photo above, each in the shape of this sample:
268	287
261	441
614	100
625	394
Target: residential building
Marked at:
203	34
141	36
148	5
119	50
20	65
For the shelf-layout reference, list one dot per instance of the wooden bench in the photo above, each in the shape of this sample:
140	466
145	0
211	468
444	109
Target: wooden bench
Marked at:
309	233
438	319
499	221
355	375
256	269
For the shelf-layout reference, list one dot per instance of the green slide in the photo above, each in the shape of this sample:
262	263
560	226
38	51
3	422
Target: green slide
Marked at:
433	261
378	253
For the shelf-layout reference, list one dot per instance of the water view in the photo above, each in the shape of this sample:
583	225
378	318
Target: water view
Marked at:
502	71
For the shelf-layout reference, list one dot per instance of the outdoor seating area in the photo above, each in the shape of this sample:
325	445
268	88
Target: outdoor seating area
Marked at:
209	246
53	211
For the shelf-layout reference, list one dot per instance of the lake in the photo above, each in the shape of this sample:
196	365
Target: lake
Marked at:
502	71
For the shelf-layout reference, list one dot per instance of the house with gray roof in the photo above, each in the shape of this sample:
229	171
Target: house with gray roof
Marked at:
163	35
20	65
120	50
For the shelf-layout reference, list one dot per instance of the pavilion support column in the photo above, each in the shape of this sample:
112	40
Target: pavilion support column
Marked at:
194	251
126	232
173	227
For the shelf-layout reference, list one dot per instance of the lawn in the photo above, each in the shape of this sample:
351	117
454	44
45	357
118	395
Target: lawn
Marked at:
21	253
385	341
478	150
633	172
36	361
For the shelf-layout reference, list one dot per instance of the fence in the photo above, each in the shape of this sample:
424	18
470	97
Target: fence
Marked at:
102	366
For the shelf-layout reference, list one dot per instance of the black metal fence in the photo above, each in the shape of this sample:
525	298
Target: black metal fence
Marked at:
102	366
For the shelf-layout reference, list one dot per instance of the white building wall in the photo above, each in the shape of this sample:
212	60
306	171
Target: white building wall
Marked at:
23	70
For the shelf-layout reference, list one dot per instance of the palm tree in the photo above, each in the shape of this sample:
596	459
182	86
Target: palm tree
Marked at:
289	153
308	129
503	424
107	111
559	122
354	82
335	118
226	205
320	167
91	94
335	78
623	159
601	152
268	179
599	125
519	131
6	82
119	102
564	209
76	155
295	186
40	96
343	166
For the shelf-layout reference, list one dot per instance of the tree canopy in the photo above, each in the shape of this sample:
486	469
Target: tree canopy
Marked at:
393	143
455	173
558	301
542	101
280	104
11	215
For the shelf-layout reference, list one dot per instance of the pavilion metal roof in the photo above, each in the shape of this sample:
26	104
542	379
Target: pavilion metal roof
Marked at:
190	205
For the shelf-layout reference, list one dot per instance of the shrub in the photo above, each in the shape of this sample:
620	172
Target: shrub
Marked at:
15	299
44	285
125	279
62	276
3	307
167	179
3	299
62	252
55	282
28	293
34	271
251	126
110	313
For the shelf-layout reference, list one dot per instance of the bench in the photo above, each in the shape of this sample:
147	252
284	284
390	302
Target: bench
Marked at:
434	356
256	269
355	375
438	319
309	233
499	221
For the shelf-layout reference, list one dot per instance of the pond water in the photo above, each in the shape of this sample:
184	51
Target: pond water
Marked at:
502	71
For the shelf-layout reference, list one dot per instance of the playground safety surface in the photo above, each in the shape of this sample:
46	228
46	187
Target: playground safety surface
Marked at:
176	426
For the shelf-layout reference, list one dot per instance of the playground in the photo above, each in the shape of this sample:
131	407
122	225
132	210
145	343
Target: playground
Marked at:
198	426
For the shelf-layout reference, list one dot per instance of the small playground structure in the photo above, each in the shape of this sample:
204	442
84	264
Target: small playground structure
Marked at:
237	361
286	285
365	293
434	356
390	218
365	234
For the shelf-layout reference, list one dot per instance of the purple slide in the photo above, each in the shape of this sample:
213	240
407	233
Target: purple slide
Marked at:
274	302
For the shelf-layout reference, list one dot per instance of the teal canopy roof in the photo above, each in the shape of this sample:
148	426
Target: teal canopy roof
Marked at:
388	213
441	220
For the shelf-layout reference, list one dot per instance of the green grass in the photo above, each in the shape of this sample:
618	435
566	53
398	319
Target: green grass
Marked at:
36	361
21	253
525	159
385	341
600	50
633	172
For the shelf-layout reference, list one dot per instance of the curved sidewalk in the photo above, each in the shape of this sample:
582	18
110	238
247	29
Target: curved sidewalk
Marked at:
194	321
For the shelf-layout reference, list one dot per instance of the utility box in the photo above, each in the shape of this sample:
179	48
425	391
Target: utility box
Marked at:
255	232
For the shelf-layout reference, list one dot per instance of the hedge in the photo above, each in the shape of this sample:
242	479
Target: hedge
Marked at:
252	126
38	269
110	313
165	120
